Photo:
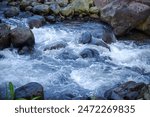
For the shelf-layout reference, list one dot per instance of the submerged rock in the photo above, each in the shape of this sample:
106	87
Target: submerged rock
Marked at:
86	38
21	37
4	36
89	53
68	54
30	91
36	21
108	36
11	12
50	19
56	45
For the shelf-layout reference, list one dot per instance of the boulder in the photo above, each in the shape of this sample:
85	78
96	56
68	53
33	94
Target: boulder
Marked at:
127	91
85	38
30	91
41	9
50	19
89	53
100	42
124	15
36	21
56	45
4	36
22	36
145	27
11	12
108	36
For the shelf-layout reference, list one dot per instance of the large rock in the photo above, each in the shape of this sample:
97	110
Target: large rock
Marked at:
30	91
11	12
145	27
4	36
21	37
89	53
41	9
124	15
36	21
127	91
85	38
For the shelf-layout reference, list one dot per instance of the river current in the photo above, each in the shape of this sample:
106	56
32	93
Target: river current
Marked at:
69	78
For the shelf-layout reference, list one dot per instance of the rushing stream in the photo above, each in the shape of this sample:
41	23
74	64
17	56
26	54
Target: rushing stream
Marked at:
63	73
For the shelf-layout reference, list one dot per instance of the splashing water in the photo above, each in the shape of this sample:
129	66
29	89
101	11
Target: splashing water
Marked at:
75	77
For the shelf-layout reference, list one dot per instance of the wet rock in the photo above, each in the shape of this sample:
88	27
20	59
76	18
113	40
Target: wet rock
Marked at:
108	36
127	91
100	42
4	36
124	15
145	27
85	38
56	45
147	93
25	50
21	37
36	21
11	12
54	8
68	54
50	19
29	91
89	53
41	9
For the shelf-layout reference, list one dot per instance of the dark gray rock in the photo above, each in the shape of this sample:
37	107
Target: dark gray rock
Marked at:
36	21
21	37
50	19
127	91
85	38
41	9
68	54
99	42
4	36
11	12
29	91
108	36
89	53
56	45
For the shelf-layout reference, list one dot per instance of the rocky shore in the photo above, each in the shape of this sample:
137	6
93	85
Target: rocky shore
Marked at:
123	19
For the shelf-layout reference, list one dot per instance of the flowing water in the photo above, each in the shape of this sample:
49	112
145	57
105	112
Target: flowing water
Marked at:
66	78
